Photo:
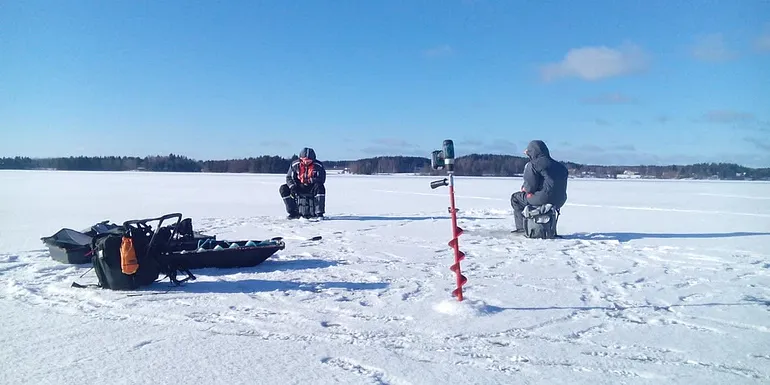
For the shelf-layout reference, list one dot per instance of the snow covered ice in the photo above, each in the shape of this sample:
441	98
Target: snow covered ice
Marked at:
664	282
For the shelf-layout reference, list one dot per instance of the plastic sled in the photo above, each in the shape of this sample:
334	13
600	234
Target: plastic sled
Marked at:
223	254
69	246
72	246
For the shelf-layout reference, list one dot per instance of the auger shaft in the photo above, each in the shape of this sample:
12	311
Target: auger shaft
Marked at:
454	243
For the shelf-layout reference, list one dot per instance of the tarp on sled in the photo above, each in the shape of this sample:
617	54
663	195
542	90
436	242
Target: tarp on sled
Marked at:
69	246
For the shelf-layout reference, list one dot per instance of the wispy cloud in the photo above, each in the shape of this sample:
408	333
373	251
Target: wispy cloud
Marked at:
494	146
727	117
590	148
597	63
276	143
625	147
764	127
762	144
594	149
393	146
628	155
438	51
712	48
602	122
470	143
611	98
392	142
503	146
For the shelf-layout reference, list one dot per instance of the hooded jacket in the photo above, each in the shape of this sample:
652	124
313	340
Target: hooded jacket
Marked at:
544	177
306	170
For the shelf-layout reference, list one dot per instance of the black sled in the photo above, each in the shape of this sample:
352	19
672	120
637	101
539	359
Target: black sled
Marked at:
168	250
224	254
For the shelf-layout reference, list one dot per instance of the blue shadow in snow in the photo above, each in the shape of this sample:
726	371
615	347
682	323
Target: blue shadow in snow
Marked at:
271	265
491	309
260	286
626	237
402	218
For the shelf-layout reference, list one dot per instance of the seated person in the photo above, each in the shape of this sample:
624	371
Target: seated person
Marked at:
545	181
306	175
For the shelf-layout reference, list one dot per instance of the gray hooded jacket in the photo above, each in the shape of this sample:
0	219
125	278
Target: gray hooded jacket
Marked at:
544	177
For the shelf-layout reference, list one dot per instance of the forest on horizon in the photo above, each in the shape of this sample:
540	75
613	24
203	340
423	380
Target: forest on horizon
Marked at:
467	165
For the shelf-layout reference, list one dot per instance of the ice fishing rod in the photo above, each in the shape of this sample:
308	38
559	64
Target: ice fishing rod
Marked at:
445	159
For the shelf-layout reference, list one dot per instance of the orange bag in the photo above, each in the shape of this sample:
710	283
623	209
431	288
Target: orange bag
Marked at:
128	262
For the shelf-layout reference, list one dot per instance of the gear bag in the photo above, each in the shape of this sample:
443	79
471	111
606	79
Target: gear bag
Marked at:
540	221
122	262
133	255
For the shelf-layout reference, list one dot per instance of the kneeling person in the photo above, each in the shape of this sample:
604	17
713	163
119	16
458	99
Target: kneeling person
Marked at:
306	176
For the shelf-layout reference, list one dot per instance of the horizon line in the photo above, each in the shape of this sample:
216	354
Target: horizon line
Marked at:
427	158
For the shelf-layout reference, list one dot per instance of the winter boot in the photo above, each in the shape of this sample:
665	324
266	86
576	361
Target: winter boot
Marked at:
291	207
320	205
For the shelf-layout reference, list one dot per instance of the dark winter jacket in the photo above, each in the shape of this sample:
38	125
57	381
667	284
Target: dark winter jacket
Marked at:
544	177
306	170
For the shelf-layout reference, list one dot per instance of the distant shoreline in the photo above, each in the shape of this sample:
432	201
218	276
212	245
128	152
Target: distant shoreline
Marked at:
476	165
336	173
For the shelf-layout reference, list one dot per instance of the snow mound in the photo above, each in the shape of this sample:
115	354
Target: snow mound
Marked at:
466	308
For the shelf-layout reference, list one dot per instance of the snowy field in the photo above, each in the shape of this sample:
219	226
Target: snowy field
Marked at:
655	282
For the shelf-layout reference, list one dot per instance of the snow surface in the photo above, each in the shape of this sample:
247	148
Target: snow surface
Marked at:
654	282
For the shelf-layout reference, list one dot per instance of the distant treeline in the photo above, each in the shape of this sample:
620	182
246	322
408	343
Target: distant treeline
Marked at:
507	165
469	165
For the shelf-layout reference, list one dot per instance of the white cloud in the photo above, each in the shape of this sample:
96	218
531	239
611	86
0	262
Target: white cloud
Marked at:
712	48
596	63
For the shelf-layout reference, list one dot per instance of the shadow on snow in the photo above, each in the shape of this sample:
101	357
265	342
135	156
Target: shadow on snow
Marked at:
271	265
626	237
264	286
402	218
750	301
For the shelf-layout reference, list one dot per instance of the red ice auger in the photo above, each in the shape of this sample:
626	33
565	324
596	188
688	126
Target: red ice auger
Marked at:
439	160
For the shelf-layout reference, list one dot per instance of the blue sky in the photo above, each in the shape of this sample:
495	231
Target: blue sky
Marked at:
612	82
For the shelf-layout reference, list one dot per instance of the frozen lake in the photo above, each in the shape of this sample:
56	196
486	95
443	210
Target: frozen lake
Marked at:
654	282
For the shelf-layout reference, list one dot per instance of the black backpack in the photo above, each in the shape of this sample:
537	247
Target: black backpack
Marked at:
150	249
540	221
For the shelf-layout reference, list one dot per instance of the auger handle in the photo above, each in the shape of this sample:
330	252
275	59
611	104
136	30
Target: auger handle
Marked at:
439	183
